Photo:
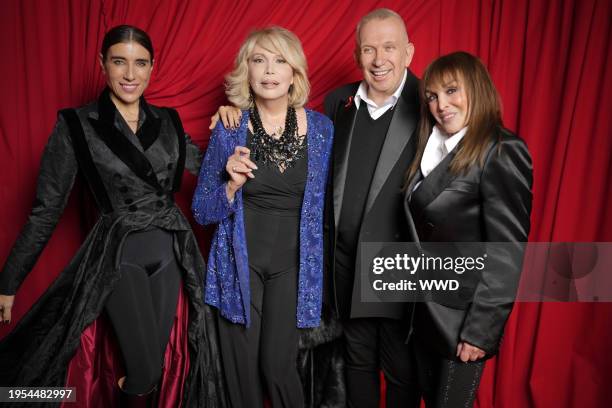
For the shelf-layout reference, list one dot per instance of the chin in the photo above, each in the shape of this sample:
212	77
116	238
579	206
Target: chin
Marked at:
273	97
128	99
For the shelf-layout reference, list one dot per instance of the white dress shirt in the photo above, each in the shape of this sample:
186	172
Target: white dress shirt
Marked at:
375	110
437	148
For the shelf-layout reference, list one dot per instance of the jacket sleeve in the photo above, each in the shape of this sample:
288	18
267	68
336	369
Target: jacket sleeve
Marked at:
210	204
193	156
505	185
58	169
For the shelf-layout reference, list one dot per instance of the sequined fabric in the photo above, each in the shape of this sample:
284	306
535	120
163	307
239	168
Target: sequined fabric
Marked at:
227	277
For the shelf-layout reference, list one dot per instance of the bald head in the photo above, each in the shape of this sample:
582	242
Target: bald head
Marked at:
379	14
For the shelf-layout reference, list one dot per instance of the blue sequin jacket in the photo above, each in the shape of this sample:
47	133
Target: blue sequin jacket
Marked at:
227	277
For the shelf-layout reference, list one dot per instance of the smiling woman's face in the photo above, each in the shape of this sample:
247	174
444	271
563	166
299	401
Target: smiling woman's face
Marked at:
127	67
270	75
448	104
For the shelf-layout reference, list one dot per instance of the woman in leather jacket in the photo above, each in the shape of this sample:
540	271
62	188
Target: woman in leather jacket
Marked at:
140	259
470	182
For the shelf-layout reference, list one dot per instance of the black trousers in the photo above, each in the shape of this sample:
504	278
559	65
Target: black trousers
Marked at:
142	306
262	359
373	344
446	383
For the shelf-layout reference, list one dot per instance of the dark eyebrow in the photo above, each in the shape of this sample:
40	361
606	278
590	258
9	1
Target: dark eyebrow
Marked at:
115	58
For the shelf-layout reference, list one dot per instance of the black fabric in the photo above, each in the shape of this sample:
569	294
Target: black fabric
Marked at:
274	191
382	219
383	211
148	132
86	164
180	163
120	145
142	306
446	383
38	350
261	359
373	344
488	203
366	144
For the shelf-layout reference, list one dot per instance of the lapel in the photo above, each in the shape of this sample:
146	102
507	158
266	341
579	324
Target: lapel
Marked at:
400	132
148	132
343	130
120	145
431	186
407	209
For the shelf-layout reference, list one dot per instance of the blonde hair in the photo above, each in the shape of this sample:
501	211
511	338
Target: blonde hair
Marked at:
274	39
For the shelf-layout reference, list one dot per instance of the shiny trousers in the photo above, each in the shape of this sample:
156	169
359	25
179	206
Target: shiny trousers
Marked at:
261	359
142	306
446	383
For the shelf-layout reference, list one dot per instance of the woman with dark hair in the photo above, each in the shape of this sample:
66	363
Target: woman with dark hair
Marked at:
263	184
139	258
470	182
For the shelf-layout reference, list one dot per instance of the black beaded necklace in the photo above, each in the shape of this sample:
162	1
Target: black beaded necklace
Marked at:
282	152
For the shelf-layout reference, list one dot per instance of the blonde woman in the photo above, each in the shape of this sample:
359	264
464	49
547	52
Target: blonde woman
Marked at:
263	184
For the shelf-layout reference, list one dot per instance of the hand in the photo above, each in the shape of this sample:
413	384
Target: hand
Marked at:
240	168
6	305
466	352
229	115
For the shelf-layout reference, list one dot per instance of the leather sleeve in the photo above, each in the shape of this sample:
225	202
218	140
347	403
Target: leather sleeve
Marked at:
505	189
58	169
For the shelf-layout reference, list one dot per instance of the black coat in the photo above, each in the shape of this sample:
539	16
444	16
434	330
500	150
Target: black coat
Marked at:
133	181
489	203
383	218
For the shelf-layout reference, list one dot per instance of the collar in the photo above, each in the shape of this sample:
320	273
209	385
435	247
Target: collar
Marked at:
449	142
107	111
362	94
149	123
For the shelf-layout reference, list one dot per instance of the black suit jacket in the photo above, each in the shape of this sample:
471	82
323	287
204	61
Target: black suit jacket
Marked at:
489	203
383	218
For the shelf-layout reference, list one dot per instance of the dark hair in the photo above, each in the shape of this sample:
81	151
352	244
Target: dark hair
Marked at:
484	109
123	34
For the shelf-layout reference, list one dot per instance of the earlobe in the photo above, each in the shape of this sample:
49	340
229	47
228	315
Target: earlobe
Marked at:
101	61
409	54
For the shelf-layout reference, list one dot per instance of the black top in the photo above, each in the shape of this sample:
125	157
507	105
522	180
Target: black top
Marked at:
276	192
366	144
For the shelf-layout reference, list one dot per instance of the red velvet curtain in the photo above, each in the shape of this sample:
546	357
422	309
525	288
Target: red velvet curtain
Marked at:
549	60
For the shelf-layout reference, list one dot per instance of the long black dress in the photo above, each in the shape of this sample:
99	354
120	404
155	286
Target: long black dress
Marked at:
134	190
